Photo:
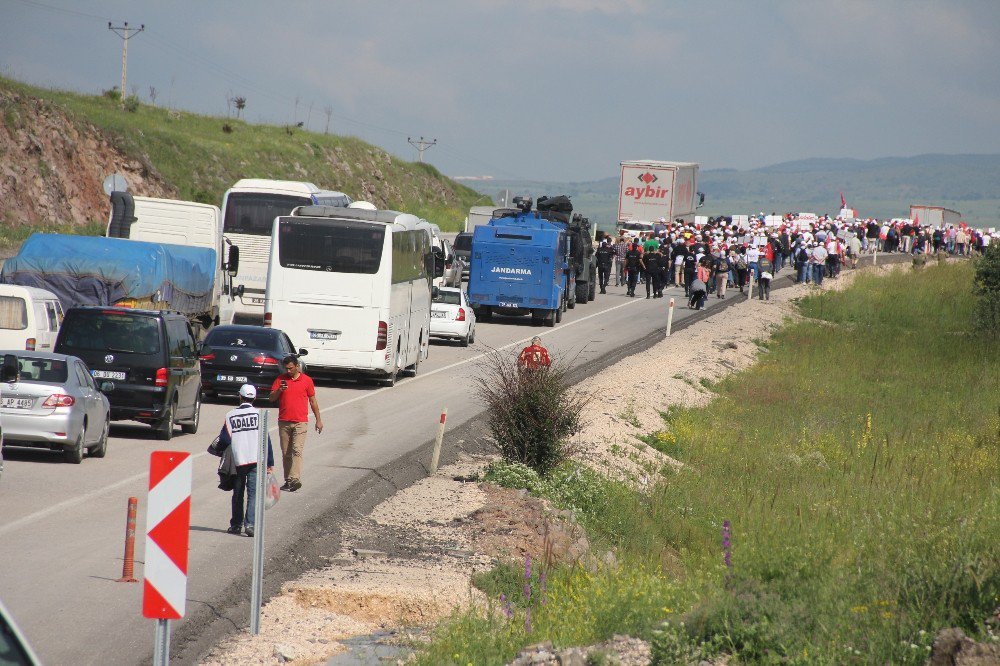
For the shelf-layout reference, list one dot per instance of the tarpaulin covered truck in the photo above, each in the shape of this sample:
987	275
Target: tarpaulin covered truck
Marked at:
651	189
520	266
92	270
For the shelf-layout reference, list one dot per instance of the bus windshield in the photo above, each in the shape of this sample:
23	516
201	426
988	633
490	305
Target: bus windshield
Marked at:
335	247
254	212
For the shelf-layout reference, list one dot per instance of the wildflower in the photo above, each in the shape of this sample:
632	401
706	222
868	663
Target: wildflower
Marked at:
507	610
527	621
527	567
727	546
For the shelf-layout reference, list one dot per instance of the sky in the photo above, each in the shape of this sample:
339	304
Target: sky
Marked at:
557	90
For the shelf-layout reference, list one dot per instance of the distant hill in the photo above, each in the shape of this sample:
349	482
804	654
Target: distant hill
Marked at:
882	187
55	148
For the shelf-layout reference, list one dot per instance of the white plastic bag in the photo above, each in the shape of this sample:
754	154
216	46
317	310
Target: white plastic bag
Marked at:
272	491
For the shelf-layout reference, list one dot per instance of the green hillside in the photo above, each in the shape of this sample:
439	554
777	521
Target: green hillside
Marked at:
201	156
882	188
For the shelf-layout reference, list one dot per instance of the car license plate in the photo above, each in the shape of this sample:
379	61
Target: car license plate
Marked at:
231	378
256	301
324	335
17	403
108	374
438	314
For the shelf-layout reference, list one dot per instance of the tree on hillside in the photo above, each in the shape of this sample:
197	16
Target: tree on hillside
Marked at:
328	110
241	103
152	95
987	290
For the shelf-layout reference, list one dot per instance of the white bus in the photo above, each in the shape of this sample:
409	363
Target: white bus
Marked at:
248	212
352	287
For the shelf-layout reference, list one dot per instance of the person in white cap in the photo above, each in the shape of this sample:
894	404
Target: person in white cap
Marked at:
241	431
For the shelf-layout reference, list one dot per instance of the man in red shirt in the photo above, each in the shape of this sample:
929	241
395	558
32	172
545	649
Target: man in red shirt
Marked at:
295	393
534	356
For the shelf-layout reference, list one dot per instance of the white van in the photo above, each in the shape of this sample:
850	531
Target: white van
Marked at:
29	318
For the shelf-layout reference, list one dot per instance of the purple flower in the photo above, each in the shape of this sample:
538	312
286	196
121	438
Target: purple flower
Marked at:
727	544
543	580
507	611
527	591
527	567
527	621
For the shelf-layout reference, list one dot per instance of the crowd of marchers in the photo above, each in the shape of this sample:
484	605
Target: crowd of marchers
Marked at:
708	259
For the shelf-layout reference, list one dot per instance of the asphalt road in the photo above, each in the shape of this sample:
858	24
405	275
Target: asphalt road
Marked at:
62	526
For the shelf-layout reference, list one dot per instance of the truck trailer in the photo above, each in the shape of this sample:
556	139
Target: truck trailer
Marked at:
650	190
935	216
520	266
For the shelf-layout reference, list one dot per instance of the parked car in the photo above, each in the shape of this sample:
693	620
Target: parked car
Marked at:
14	647
55	404
29	318
454	266
232	356
8	372
463	250
451	316
149	358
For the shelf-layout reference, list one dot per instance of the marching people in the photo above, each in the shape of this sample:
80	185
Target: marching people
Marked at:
764	281
605	258
295	393
633	264
240	433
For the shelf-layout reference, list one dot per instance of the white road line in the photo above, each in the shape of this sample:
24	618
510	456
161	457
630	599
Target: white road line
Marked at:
94	494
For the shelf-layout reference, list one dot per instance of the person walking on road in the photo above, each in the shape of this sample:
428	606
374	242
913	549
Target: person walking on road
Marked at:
633	264
621	248
605	258
241	431
534	356
295	393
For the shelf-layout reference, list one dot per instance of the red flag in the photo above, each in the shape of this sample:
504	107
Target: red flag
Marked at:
843	202
916	219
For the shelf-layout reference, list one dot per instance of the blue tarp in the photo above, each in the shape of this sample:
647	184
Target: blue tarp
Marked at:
93	270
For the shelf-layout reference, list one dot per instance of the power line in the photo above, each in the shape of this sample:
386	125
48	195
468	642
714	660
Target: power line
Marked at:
421	145
126	33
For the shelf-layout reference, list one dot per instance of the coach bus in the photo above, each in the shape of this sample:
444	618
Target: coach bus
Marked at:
248	212
353	288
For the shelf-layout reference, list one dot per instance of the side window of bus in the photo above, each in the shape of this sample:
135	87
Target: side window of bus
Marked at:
408	253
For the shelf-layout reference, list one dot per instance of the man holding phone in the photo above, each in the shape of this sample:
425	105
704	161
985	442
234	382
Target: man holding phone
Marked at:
295	394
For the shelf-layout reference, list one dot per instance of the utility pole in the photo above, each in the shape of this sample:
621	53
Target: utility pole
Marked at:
126	33
421	145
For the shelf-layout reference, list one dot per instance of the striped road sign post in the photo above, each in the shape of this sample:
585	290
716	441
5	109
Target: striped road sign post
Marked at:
168	523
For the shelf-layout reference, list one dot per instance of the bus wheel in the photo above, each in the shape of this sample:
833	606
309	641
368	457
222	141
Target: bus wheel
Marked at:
413	369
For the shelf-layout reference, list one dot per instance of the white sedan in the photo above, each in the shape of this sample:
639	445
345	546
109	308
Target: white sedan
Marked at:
451	316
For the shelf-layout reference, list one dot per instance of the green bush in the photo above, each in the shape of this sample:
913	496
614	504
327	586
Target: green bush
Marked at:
530	413
986	316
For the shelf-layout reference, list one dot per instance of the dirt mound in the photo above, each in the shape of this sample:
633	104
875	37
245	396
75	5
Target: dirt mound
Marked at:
514	525
51	169
953	648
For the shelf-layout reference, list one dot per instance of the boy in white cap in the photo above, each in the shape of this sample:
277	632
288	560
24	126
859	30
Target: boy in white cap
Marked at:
241	431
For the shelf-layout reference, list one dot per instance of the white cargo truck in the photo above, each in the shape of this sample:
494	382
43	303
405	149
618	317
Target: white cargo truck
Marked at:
478	215
186	223
652	189
936	216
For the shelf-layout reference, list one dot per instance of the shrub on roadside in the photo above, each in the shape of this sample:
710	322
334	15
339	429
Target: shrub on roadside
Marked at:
530	413
986	315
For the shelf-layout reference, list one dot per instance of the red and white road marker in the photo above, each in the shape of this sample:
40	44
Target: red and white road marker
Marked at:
168	524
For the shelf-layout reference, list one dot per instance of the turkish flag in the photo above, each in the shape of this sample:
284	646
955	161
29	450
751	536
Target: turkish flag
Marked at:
843	202
916	219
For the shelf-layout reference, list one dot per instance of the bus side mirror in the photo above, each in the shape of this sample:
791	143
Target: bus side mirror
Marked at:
233	260
10	370
438	261
238	291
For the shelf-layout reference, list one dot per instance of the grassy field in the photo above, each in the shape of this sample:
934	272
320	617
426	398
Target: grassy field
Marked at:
854	470
194	154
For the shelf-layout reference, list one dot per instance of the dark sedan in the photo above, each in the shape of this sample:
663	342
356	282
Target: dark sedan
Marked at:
232	356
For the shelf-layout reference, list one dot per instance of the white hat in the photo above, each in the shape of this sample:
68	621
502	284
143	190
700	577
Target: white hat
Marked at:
248	392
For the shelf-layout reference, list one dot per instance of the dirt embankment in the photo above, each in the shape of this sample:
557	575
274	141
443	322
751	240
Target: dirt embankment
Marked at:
51	169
